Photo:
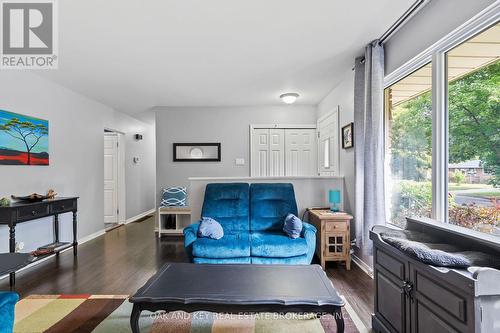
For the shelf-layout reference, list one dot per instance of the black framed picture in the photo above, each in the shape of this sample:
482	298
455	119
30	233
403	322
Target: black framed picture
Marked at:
348	136
197	152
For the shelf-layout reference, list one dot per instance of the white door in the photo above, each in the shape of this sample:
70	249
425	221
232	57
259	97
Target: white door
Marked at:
328	144
276	152
110	179
300	152
260	152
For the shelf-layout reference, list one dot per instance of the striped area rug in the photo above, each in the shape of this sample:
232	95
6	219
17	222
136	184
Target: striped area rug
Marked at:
111	313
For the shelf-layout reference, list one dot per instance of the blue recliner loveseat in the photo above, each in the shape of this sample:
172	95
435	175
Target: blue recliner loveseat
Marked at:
252	217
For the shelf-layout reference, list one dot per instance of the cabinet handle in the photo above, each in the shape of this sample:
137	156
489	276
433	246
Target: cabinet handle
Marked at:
408	289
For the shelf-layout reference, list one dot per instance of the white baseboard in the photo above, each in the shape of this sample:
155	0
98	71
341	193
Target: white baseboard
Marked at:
361	264
80	241
91	236
140	216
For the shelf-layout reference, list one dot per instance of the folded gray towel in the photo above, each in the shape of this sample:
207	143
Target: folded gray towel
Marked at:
431	250
425	254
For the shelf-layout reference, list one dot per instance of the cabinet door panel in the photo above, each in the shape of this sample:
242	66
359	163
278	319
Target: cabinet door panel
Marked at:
260	152
447	300
276	152
390	301
438	305
300	152
390	263
427	322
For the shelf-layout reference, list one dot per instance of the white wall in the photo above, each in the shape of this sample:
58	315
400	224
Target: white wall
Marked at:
76	129
437	19
343	95
228	125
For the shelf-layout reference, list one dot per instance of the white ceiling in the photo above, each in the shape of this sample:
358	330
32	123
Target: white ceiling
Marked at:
134	55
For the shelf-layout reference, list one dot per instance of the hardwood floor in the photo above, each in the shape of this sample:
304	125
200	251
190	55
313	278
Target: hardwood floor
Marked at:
123	259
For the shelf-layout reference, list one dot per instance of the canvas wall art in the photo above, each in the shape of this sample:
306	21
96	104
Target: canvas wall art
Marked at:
197	152
24	140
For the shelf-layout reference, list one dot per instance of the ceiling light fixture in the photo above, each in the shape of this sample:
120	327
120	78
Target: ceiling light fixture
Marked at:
289	98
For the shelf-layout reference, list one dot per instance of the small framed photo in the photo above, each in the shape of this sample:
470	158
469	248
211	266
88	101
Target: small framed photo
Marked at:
348	136
197	152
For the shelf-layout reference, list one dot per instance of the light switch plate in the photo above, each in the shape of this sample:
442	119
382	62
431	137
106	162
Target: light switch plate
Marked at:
239	161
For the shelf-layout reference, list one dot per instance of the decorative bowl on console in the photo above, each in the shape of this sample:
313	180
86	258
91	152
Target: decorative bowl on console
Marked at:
34	197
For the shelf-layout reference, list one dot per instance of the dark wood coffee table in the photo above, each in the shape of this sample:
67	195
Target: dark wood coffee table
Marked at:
238	289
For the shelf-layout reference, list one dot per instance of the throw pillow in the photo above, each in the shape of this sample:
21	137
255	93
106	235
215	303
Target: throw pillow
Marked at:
174	196
292	226
210	228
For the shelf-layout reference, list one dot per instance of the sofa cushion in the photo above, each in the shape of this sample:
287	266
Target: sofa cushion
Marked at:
231	245
276	245
228	204
270	204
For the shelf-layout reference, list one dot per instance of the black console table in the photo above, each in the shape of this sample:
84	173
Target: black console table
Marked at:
20	212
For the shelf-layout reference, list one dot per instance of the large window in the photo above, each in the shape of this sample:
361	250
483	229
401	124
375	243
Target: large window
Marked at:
460	127
474	132
408	109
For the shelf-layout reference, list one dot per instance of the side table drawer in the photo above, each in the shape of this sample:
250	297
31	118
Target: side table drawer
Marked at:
336	226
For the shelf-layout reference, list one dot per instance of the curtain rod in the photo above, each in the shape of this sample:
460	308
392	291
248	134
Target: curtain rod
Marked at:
414	8
417	5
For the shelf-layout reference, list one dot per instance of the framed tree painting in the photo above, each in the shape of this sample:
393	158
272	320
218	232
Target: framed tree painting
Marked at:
348	136
24	140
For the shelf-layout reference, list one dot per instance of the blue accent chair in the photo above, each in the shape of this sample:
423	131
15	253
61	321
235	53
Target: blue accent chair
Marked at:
252	217
8	301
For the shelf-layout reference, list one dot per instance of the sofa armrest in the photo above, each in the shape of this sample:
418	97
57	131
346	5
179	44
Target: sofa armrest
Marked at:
8	298
190	235
7	307
309	233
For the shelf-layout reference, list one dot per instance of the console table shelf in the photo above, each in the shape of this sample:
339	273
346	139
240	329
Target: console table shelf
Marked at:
20	212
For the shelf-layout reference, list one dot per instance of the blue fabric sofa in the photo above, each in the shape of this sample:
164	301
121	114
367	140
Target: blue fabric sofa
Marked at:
252	217
8	301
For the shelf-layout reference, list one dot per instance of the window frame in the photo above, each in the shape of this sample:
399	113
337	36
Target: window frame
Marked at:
436	54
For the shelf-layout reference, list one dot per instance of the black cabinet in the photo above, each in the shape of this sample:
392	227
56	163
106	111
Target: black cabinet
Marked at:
417	298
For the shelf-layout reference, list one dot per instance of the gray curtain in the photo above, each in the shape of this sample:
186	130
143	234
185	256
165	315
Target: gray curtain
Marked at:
369	142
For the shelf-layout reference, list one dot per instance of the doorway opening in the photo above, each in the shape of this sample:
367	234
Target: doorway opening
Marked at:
114	180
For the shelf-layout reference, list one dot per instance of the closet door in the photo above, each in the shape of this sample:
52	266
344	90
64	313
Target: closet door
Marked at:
328	142
260	152
276	152
300	152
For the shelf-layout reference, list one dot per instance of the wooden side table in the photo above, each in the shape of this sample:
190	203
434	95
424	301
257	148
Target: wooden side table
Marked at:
333	239
178	212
